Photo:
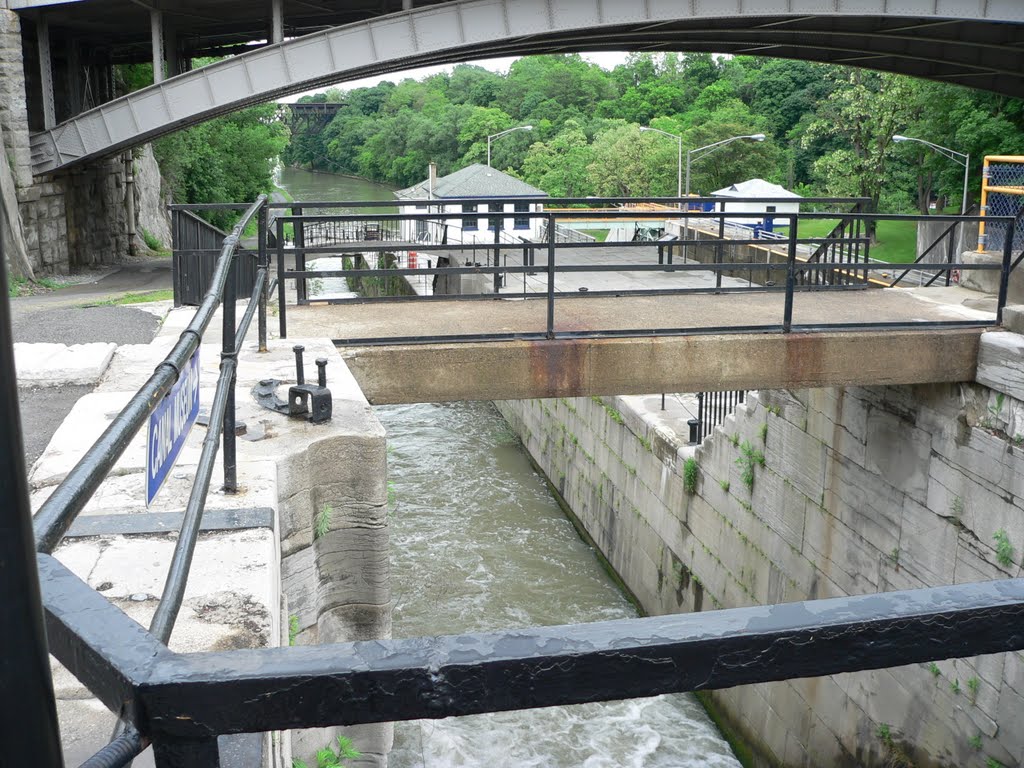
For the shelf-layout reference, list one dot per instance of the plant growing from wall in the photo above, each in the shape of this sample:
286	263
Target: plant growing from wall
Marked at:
749	458
764	432
1004	549
954	687
323	522
885	733
993	763
329	757
974	685
957	507
690	472
293	629
934	669
975	742
724	485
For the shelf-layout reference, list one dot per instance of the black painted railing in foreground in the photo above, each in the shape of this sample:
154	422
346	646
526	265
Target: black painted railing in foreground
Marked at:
59	512
182	702
792	265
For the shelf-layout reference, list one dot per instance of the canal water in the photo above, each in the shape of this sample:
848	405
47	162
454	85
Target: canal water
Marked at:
478	544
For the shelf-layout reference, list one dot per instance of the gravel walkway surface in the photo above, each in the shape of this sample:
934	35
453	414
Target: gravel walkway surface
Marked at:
60	317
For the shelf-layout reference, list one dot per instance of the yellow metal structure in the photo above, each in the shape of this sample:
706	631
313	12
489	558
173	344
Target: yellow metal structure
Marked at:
1002	194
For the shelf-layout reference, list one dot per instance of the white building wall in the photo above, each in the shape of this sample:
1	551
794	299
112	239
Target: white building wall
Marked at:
454	218
756	207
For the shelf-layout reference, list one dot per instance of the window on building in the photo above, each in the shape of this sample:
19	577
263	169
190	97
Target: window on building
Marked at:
469	222
495	221
522	222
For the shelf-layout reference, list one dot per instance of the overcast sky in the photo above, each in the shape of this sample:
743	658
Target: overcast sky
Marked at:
606	59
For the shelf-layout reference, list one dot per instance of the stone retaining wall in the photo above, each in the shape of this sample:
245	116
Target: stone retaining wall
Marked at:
861	490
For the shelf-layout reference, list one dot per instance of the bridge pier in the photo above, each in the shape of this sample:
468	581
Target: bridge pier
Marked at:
57	224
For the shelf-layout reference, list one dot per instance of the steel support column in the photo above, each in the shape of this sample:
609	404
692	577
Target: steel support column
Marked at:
171	50
156	32
28	713
46	72
276	21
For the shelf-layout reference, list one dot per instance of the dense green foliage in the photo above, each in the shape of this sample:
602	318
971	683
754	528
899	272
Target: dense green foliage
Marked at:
230	158
829	128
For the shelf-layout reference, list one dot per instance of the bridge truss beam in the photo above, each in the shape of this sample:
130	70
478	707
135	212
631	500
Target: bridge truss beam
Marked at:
960	42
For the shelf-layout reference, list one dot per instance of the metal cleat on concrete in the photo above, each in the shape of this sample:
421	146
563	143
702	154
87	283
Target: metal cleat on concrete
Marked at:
304	399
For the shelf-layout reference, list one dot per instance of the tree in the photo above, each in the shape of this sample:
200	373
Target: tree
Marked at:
559	167
228	159
864	110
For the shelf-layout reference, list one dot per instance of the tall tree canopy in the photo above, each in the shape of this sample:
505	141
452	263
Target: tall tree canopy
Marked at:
829	129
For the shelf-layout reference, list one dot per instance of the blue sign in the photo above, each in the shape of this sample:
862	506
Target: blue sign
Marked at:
169	425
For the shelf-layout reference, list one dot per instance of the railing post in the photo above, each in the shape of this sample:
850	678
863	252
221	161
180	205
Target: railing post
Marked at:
720	251
787	318
949	252
28	712
227	351
264	265
497	253
1004	273
551	277
299	229
700	416
175	257
282	323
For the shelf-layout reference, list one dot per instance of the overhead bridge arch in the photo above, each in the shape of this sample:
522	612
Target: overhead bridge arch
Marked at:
977	43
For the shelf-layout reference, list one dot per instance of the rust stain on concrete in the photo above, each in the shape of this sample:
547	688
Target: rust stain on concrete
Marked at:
557	367
803	357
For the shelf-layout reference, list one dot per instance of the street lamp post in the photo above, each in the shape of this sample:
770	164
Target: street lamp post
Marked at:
502	133
707	149
957	157
679	164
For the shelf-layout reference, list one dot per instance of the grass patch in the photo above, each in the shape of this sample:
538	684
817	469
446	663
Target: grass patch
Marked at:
598	234
896	240
20	286
135	298
153	242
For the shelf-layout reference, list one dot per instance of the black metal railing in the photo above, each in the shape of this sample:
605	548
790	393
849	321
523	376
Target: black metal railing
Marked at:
57	514
948	239
714	407
181	703
795	264
195	250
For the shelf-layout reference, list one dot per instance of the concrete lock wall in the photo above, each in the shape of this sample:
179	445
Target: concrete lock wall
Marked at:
862	490
332	507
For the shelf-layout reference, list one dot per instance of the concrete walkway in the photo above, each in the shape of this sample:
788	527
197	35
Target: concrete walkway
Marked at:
577	313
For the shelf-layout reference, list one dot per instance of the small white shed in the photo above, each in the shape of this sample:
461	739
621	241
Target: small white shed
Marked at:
783	201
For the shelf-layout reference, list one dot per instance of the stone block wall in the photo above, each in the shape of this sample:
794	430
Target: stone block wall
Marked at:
862	490
78	219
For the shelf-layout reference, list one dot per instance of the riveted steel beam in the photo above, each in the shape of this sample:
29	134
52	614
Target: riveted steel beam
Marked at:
468	29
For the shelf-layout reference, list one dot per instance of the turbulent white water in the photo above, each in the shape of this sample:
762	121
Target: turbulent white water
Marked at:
479	544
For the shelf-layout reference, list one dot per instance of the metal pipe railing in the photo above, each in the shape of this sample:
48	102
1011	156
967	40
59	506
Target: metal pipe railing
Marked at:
847	250
59	511
127	743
